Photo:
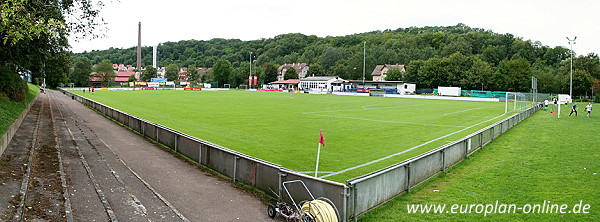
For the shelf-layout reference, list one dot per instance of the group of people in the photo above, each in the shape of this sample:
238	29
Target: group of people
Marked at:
91	90
588	108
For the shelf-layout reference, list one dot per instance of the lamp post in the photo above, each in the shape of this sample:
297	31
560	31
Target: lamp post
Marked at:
364	61
250	75
571	43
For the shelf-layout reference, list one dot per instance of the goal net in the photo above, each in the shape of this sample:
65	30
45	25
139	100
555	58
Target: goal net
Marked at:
515	102
227	86
243	87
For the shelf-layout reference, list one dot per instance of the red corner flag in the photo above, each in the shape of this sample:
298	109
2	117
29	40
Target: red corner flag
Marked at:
321	138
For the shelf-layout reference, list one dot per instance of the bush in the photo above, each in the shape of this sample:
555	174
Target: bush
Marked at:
597	98
12	85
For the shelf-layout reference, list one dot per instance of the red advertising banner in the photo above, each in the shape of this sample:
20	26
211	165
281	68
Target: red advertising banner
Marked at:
255	80
249	80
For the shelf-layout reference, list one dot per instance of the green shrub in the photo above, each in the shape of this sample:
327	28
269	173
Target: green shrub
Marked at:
12	85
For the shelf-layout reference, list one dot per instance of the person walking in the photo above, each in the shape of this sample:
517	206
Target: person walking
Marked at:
573	109
588	108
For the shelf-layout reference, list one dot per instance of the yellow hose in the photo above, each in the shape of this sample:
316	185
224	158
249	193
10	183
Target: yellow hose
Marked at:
320	211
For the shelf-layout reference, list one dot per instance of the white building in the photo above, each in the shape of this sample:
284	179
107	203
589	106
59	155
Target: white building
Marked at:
321	83
401	86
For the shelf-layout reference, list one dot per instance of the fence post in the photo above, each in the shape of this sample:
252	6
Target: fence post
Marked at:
175	147
355	203
234	167
443	159
408	177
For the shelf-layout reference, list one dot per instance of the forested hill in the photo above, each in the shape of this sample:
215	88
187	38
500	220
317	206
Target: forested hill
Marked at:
459	55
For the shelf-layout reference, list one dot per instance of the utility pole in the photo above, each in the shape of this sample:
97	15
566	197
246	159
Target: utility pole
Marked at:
364	61
571	43
250	76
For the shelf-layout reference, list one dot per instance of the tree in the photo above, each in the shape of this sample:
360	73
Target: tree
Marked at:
148	74
394	75
478	76
590	63
105	71
192	73
268	72
33	35
582	83
514	75
172	72
82	70
290	73
22	20
316	69
57	67
131	78
239	75
221	71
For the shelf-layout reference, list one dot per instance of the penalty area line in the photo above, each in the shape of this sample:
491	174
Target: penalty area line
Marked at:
405	151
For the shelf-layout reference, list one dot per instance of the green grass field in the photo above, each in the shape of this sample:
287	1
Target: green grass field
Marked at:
283	128
541	159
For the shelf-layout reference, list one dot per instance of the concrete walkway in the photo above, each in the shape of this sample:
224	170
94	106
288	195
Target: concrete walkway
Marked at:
111	173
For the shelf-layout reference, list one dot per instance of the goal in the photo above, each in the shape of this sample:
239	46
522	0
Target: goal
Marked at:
515	102
243	87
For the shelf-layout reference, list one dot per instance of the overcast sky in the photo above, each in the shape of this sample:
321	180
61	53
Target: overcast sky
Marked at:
548	21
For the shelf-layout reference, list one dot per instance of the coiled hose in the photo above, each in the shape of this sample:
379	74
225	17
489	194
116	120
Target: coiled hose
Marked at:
319	211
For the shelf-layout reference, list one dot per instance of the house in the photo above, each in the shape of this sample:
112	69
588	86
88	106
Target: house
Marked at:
380	71
321	83
182	77
301	70
285	84
120	77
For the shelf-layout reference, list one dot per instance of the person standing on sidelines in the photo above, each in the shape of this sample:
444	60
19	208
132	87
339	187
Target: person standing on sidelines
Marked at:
573	109
588	108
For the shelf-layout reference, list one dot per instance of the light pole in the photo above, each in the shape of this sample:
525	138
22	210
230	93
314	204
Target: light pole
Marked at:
250	75
364	61
571	43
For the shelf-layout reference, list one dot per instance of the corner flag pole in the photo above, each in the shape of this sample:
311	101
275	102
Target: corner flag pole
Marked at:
321	142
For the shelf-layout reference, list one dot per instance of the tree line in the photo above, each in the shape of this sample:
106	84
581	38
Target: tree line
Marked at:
459	55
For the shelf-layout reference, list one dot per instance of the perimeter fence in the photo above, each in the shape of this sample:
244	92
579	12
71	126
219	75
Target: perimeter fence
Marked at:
355	197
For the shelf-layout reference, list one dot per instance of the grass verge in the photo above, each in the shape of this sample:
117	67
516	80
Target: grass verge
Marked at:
541	159
9	110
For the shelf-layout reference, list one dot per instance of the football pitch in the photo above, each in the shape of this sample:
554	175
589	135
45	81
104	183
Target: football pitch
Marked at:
362	134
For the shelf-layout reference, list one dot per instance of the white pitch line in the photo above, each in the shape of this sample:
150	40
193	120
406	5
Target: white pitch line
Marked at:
363	108
402	152
466	110
387	121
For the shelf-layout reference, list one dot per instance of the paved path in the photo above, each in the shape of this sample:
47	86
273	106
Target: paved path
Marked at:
68	163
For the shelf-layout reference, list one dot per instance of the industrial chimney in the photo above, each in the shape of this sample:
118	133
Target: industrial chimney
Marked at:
139	52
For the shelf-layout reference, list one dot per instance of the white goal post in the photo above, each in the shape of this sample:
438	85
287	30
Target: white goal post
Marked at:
514	102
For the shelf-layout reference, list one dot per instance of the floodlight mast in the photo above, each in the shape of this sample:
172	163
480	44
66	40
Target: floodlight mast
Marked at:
364	61
250	75
571	43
